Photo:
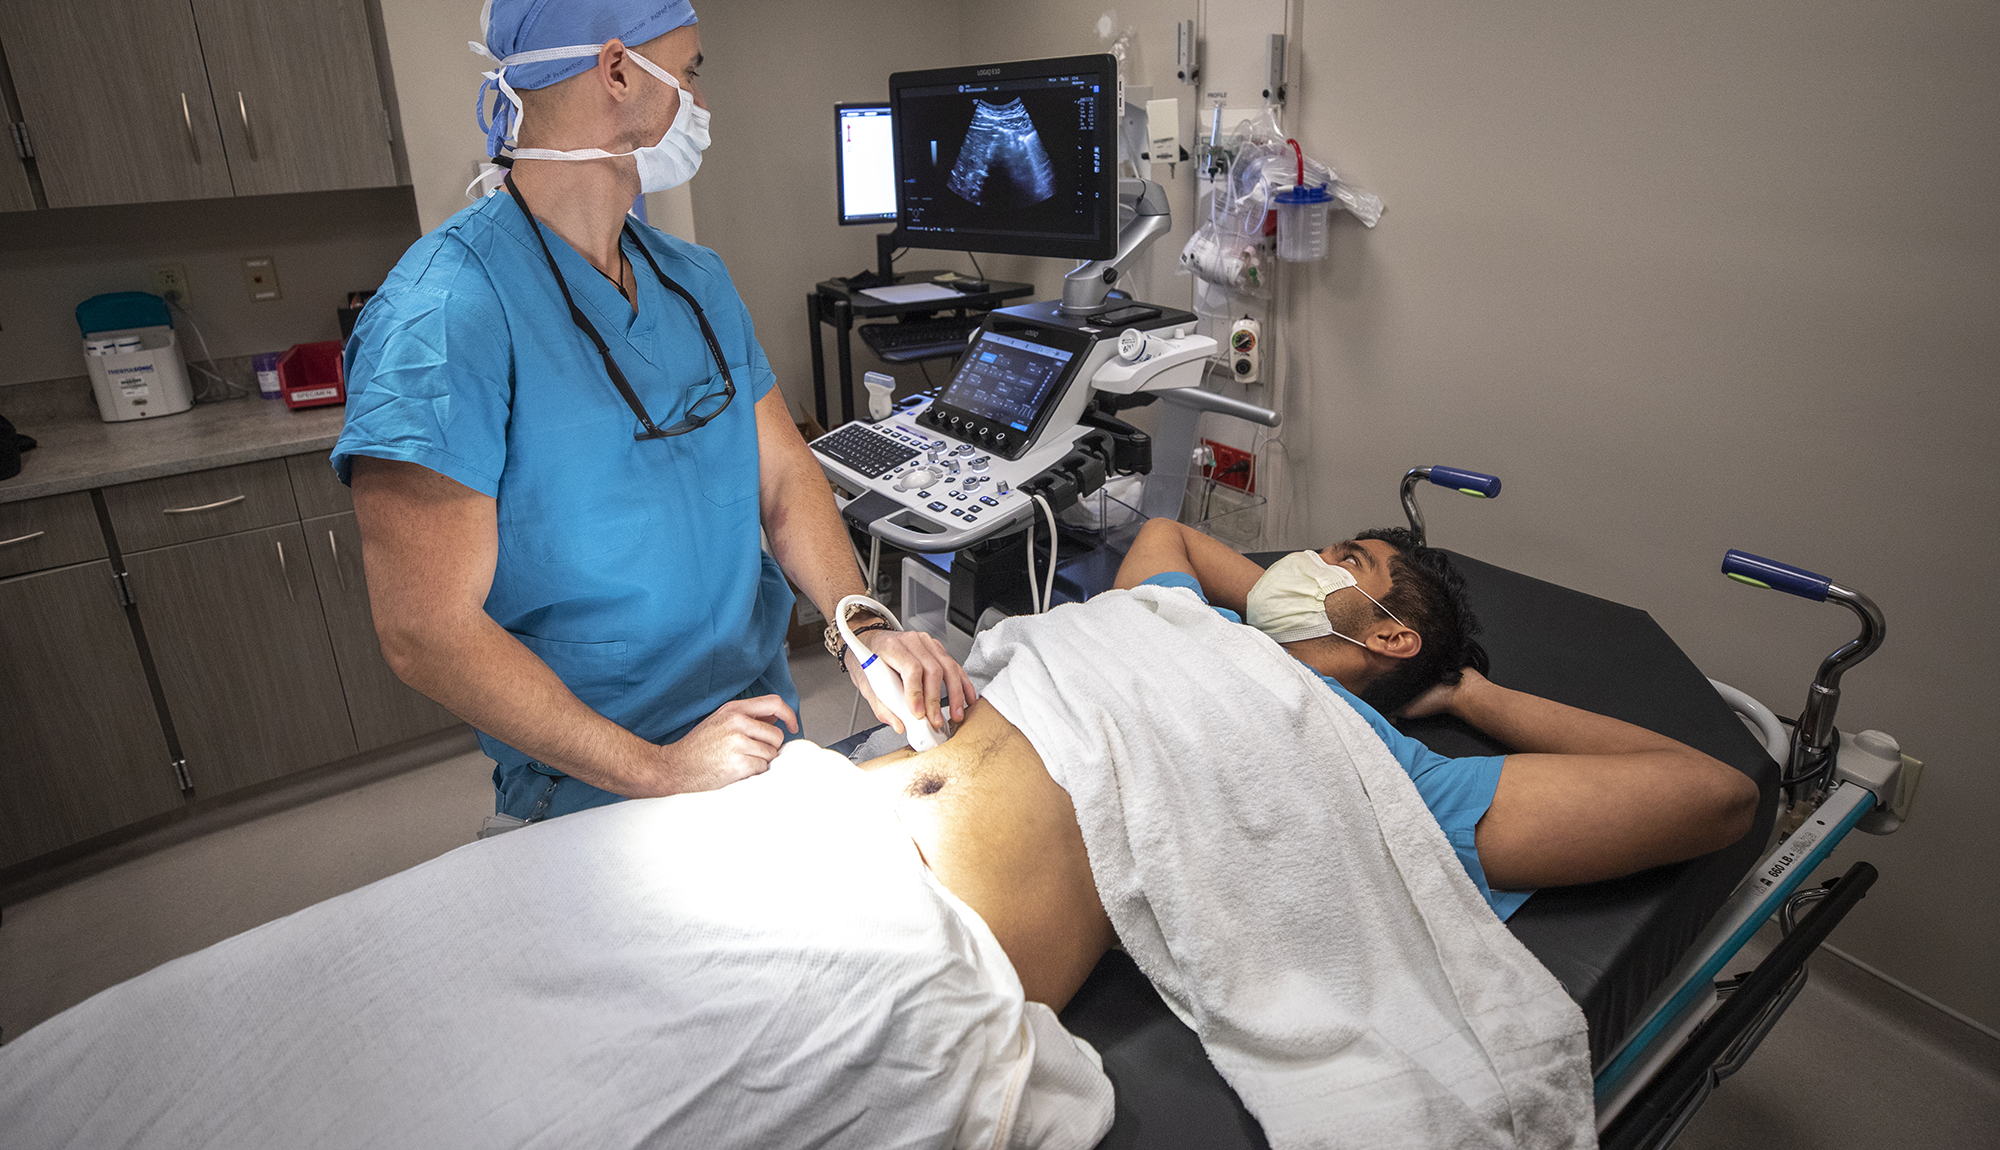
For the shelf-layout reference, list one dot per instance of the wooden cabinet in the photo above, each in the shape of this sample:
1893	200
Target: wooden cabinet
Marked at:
81	750
116	100
36	534
243	657
16	194
257	632
132	101
382	708
296	93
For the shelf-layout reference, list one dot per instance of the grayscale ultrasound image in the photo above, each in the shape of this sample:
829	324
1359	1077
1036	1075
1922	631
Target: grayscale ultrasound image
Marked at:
1002	162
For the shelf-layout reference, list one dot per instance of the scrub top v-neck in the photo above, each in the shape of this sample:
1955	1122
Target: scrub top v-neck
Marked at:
633	568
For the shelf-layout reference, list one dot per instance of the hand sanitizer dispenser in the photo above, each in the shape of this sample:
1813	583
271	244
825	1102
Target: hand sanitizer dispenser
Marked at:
133	356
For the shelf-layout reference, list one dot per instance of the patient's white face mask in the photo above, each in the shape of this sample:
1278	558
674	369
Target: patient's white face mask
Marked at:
1289	601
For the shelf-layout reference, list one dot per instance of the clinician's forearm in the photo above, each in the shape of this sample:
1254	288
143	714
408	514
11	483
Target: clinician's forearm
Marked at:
482	674
810	543
1536	725
808	539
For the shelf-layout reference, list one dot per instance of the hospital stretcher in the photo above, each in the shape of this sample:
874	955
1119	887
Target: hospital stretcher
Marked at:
1643	956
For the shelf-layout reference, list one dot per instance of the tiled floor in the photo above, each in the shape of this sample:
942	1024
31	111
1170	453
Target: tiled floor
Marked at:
1855	1063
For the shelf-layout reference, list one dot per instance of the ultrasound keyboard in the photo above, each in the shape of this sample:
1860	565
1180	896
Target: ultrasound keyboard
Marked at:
867	450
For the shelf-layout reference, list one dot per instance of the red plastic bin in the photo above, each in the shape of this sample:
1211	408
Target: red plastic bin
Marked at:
309	375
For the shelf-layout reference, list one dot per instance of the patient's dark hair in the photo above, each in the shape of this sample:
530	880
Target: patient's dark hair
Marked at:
1427	593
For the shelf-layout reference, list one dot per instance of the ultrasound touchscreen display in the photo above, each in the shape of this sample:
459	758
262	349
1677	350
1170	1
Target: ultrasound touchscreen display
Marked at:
1007	380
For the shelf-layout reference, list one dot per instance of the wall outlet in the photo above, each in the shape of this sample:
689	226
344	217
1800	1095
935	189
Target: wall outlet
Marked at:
170	283
1233	466
260	275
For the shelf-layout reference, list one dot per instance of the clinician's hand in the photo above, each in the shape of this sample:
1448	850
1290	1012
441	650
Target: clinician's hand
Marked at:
739	740
926	670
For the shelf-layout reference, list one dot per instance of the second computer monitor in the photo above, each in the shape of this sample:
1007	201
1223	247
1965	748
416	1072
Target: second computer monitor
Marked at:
864	152
1016	157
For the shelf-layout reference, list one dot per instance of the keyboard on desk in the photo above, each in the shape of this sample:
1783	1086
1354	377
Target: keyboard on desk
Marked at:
865	449
920	339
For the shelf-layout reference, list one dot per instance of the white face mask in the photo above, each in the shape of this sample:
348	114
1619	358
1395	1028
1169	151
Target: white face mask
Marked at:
1288	602
668	164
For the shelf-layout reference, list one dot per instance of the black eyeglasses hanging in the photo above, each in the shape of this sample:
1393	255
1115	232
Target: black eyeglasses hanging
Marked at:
702	410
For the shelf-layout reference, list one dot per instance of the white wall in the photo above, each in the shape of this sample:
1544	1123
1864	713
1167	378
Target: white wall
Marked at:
1694	275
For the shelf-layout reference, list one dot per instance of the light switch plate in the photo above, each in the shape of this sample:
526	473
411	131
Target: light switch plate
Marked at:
260	275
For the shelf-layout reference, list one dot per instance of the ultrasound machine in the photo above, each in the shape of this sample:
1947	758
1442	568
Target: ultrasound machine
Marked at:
1017	158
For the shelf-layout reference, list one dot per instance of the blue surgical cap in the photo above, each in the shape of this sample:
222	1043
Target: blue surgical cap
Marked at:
516	27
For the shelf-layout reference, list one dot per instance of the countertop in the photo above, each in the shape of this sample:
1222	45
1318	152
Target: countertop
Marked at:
78	451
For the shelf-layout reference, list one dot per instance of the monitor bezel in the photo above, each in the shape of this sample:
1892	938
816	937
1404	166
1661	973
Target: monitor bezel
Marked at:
840	167
1101	247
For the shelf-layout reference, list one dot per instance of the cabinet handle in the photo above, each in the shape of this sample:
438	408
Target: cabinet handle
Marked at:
244	111
203	507
21	538
187	121
286	572
337	572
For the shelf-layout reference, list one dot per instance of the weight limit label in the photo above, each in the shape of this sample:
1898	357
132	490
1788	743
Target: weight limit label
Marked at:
1797	847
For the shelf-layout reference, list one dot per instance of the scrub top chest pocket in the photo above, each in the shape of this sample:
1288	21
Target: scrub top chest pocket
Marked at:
725	451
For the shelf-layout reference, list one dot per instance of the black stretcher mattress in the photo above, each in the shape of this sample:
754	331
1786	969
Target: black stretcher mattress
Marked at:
1610	944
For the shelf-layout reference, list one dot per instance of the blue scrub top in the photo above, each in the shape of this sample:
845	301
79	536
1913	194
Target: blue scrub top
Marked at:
634	569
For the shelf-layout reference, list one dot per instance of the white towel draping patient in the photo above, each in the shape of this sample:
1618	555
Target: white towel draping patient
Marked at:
765	965
1273	871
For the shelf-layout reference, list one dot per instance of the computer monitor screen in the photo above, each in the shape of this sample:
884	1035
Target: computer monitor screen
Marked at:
1015	157
864	153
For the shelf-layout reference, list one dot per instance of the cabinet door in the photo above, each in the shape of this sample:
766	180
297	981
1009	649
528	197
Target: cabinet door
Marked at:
116	100
241	648
81	751
295	89
15	193
384	710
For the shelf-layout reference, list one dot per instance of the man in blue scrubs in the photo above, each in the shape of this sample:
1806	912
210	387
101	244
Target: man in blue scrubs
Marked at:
564	442
1584	797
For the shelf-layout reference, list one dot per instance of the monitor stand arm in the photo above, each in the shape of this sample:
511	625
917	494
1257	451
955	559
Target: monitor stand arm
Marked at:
885	254
1143	217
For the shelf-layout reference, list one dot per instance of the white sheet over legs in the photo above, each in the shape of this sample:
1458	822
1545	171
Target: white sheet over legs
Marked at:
765	965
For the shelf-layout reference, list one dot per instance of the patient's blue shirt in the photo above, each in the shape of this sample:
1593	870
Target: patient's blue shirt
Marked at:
1457	791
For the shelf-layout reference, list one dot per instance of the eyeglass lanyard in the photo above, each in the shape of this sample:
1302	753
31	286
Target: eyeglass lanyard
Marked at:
604	350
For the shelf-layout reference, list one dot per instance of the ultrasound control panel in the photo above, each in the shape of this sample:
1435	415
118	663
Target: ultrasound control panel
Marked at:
932	493
1008	385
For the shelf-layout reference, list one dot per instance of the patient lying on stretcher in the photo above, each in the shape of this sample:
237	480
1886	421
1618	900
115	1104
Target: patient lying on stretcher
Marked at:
1583	798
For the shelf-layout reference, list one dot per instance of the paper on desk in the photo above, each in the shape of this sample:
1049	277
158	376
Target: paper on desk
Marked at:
910	293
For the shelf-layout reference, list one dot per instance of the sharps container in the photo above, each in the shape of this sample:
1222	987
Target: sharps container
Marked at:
1302	223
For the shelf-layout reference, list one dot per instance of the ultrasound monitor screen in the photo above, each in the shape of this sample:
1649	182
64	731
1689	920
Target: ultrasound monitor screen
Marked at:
1006	380
864	144
1009	158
